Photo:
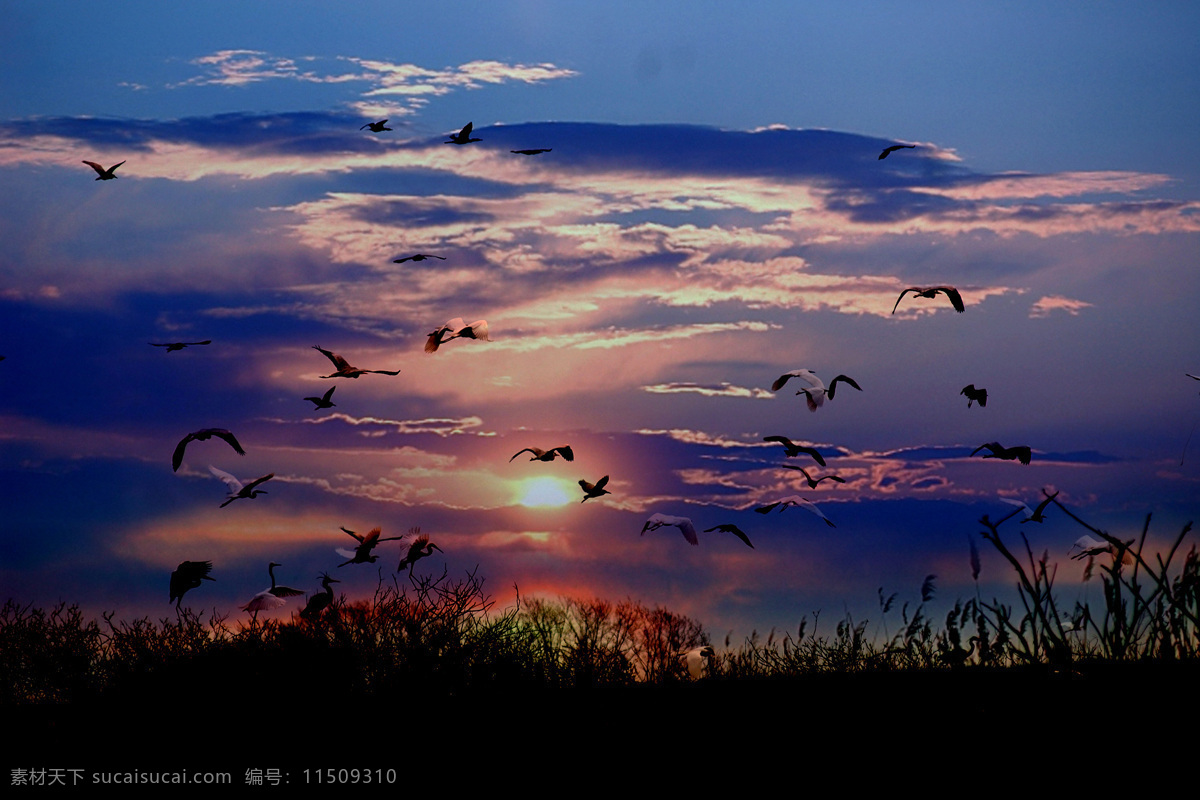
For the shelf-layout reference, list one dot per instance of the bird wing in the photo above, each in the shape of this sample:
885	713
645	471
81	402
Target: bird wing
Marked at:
994	447
382	371
233	483
955	298
263	601
587	487
476	330
1024	508
783	440
337	360
812	452
600	484
813	401
466	131
1022	453
352	533
901	297
566	452
96	166
233	442
843	379
177	456
257	481
688	530
536	453
801	470
735	530
806	375
653	523
345	552
767	508
813	508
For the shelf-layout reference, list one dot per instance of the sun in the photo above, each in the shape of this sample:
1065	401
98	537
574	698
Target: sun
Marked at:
544	493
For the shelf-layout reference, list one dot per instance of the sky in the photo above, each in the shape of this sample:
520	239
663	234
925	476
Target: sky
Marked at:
712	214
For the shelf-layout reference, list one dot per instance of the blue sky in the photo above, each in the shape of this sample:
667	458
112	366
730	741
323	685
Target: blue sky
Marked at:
713	214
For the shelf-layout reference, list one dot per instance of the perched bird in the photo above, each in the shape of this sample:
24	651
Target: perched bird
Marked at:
734	529
532	152
321	600
105	174
1089	547
344	370
1020	453
888	150
1031	514
324	401
238	490
172	346
818	391
812	484
457	329
930	292
416	257
188	575
366	543
794	450
794	500
462	137
684	524
272	597
547	455
203	435
596	489
377	127
975	395
420	548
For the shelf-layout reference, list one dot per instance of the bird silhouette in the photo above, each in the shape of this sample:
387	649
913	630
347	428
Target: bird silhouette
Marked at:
596	489
457	329
547	455
344	370
173	346
794	450
698	659
324	401
203	435
377	127
238	490
1020	453
1090	547
462	137
1031	514
420	548
974	395
816	394
730	528
812	484
929	292
366	543
889	150
272	597
684	524
105	174
188	575
416	257
794	500
532	152
321	600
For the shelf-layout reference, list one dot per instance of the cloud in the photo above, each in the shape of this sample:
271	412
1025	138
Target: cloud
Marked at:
1045	305
723	389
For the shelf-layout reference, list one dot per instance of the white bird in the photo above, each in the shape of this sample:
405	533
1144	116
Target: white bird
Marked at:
238	490
1031	515
457	329
794	500
1089	546
344	370
815	395
697	659
105	174
420	547
684	524
272	597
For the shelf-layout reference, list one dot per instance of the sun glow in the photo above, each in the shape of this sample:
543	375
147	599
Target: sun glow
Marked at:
544	492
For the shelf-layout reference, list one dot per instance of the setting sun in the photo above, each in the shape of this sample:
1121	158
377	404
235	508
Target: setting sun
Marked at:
544	492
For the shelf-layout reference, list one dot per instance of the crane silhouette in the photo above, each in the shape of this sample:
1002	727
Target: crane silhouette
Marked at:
547	455
366	543
324	401
420	548
188	575
974	395
105	174
377	127
173	346
272	597
321	600
462	137
794	450
238	490
201	436
344	370
929	292
1020	453
596	489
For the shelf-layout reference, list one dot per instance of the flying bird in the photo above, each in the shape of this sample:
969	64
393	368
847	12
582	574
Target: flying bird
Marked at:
324	400
462	137
930	292
457	329
416	257
238	490
889	150
377	127
684	524
344	370
188	575
974	395
366	543
697	660
794	450
172	346
596	489
1089	547
105	174
1031	514
817	393
795	500
532	152
547	455
812	484
321	600
734	529
420	548
272	597
203	435
1020	453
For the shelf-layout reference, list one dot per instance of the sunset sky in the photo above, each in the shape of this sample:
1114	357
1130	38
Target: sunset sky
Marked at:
713	214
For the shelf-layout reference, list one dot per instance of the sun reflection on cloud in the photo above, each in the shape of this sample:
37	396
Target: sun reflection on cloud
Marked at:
544	492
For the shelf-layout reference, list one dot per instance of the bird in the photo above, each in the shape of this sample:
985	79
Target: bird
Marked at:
596	489
172	346
324	400
420	547
794	500
684	524
105	174
462	137
272	597
1031	514
1020	453
1089	547
366	543
547	455
696	660
734	529
457	329
203	435
532	152
889	150
794	450
377	127
238	490
930	292
976	395
818	391
416	257
812	484
344	370
321	600
188	575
